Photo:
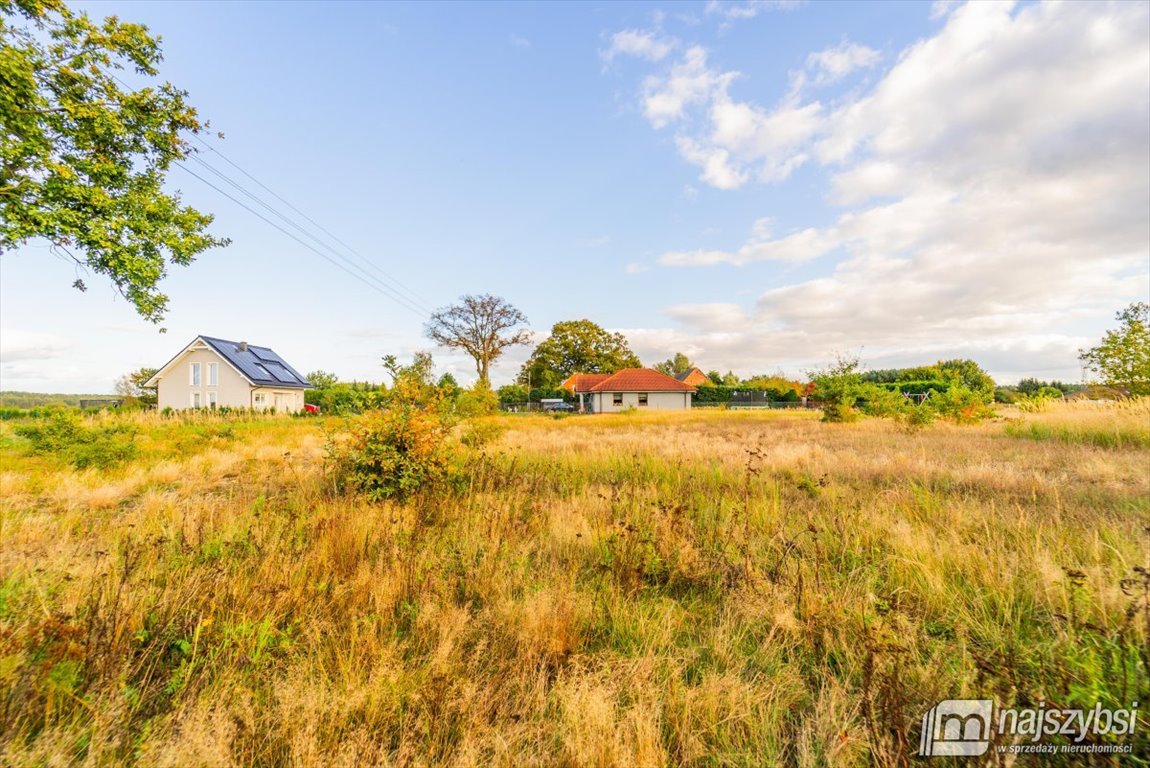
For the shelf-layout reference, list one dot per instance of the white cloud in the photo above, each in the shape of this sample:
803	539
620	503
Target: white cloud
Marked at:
748	9
993	185
17	345
794	248
833	64
733	141
690	82
710	318
517	41
639	44
635	268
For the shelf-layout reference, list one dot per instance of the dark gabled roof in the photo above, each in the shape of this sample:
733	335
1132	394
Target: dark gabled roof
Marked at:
259	365
687	374
641	380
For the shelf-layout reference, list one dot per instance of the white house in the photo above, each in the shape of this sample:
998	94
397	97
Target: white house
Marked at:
639	388
213	372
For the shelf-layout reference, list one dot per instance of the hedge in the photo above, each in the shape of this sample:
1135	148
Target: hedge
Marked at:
727	394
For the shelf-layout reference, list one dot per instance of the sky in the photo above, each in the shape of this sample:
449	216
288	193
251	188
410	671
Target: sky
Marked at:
761	185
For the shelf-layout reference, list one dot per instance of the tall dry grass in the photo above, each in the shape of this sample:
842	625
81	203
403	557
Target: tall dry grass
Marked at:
703	589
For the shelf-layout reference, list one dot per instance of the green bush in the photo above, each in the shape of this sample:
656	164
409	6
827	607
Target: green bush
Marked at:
64	435
838	387
393	453
917	386
1005	395
883	402
403	449
960	404
708	395
480	400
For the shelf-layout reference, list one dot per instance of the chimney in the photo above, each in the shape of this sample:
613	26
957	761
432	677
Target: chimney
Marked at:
243	347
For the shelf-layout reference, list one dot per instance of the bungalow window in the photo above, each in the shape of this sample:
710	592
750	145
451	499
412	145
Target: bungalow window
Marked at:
213	374
617	398
194	376
642	399
212	399
259	399
195	399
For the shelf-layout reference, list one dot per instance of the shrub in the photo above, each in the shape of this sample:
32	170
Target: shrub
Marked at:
396	452
512	395
480	400
393	453
1005	395
883	402
64	435
838	387
479	434
961	404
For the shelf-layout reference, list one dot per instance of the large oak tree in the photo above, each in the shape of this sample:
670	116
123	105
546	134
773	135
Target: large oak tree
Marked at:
482	326
83	157
576	346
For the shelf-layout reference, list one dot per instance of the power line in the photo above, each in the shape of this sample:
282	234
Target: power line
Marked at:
371	264
373	285
381	281
393	293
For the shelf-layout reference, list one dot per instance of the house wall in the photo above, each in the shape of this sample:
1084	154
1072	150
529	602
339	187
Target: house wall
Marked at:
603	402
283	400
175	388
698	379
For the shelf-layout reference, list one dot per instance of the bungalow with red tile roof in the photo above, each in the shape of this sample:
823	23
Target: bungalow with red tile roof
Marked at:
582	382
639	388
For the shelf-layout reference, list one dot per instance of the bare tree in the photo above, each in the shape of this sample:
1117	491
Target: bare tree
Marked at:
482	326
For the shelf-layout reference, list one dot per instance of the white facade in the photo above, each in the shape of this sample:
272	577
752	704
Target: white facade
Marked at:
199	377
613	402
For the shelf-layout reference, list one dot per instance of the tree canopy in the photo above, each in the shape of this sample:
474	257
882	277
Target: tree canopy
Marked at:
576	346
83	157
131	386
482	326
322	379
680	363
1122	358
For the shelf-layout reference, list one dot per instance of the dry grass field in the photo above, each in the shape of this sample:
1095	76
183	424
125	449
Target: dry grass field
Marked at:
698	589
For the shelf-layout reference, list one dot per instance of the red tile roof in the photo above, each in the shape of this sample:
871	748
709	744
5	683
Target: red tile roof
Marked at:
640	380
582	382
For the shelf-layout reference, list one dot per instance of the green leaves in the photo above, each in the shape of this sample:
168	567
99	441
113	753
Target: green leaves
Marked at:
1123	357
83	157
576	346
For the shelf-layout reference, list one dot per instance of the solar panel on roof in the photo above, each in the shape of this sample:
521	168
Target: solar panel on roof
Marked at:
281	373
264	354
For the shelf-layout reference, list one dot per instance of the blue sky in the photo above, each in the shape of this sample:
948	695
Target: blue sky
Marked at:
760	185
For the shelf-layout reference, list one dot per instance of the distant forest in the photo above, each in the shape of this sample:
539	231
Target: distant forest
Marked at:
36	399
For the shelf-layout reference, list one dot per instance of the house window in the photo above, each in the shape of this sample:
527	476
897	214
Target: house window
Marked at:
195	399
259	399
617	398
194	377
213	374
211	399
642	399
